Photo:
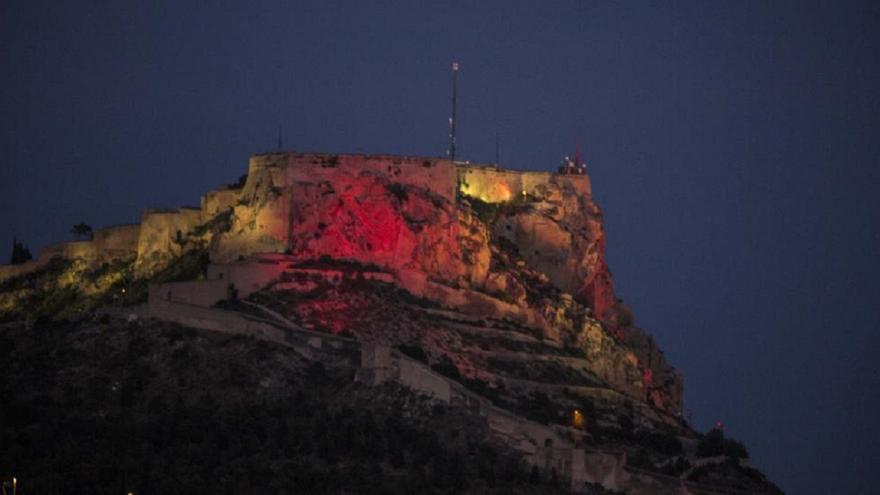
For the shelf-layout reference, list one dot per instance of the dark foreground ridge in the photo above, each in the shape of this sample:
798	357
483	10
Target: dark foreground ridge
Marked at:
106	406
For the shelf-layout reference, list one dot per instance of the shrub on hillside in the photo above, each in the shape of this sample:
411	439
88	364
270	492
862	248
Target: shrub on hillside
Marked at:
714	444
446	368
414	351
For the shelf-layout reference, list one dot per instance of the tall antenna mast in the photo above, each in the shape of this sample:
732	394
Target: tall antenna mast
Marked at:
451	151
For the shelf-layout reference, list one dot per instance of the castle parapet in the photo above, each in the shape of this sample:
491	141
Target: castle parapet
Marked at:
494	185
433	174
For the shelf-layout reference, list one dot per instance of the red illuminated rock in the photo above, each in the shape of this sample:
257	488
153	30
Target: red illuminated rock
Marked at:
528	247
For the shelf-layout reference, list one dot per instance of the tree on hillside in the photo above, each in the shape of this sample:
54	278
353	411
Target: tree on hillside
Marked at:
82	231
20	253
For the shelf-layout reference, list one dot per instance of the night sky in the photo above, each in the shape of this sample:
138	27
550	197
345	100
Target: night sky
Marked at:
732	145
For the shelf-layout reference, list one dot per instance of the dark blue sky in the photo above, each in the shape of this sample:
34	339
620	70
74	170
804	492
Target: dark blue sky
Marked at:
734	148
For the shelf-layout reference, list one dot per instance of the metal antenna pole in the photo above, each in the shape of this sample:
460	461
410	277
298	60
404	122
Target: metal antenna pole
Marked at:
451	151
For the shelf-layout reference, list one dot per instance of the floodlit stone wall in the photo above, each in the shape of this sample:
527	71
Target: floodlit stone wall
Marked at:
162	236
108	244
215	202
117	242
80	250
435	175
494	185
83	250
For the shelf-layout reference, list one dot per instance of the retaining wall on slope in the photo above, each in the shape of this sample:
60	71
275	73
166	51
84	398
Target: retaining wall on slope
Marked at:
311	345
205	293
543	446
250	275
547	447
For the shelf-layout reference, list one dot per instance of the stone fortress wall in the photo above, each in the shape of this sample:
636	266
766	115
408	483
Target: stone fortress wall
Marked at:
443	177
494	185
436	175
107	244
218	201
160	234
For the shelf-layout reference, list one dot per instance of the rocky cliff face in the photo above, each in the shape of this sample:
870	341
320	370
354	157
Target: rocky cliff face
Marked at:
525	246
378	211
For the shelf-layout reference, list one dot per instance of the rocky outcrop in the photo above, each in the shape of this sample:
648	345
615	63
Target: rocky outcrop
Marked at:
524	246
353	212
559	233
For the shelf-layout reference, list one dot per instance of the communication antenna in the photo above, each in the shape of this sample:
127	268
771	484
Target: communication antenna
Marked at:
451	151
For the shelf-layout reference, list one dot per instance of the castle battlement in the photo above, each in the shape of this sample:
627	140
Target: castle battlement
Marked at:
449	179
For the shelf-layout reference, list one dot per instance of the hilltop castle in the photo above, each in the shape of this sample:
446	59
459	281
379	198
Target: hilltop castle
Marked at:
509	265
283	189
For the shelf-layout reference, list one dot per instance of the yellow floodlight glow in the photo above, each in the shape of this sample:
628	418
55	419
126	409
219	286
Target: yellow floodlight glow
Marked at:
577	419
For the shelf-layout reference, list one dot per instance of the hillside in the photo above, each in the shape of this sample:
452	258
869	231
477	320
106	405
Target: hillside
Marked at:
105	406
460	305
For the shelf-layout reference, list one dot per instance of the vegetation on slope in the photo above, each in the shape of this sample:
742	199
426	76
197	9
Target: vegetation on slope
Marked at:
489	213
70	288
113	407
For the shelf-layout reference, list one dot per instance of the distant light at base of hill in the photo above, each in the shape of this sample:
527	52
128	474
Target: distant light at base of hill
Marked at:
577	419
